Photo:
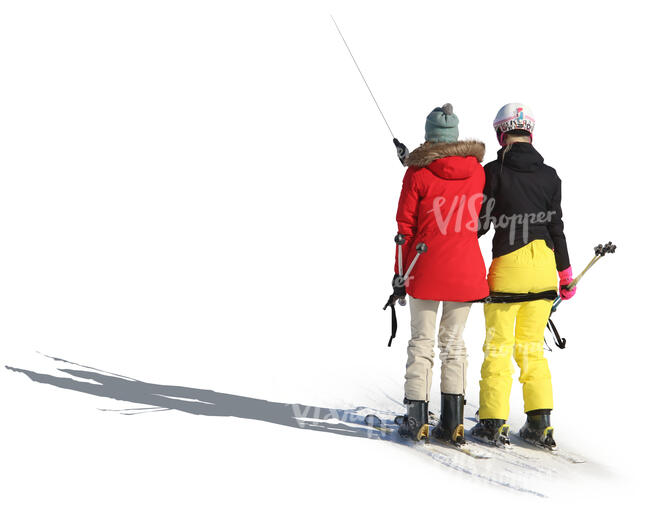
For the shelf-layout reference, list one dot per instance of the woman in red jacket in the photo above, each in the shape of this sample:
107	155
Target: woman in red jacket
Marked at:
439	206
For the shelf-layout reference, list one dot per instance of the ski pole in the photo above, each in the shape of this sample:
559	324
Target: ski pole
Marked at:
420	248
399	240
402	150
601	250
401	280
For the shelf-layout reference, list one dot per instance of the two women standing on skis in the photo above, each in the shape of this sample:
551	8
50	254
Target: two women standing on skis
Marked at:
439	206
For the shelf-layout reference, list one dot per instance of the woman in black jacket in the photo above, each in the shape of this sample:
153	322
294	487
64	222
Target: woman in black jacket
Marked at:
523	202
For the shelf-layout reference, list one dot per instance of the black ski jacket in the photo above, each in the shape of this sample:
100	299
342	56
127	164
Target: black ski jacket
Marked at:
522	199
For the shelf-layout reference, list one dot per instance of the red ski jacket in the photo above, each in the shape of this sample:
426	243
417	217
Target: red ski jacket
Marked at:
439	205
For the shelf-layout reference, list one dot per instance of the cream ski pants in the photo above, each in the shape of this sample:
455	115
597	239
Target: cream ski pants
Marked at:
421	353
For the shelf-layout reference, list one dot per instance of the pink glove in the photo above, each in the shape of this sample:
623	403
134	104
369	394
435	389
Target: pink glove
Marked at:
566	277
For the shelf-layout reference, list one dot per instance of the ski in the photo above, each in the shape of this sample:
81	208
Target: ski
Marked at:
523	445
500	449
429	443
557	452
567	456
465	448
519	452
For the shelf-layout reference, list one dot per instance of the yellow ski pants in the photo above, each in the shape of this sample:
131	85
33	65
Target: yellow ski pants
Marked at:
517	329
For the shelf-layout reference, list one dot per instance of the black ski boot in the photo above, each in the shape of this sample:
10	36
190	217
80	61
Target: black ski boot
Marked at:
450	427
415	424
493	431
537	429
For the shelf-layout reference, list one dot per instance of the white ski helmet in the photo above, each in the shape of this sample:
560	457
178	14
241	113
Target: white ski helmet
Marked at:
514	116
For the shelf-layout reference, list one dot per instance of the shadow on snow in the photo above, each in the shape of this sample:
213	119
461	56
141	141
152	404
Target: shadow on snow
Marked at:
160	397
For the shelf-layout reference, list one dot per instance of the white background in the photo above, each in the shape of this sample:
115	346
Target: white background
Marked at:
203	195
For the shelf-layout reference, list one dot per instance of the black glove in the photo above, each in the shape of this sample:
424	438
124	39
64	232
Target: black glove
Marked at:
399	287
402	151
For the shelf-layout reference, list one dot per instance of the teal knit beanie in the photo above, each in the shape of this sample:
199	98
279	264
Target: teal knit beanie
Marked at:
441	125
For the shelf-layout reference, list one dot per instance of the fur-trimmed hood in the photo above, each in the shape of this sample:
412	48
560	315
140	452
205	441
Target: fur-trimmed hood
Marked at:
429	152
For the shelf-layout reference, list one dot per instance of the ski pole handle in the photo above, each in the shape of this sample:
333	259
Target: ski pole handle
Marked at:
558	300
402	151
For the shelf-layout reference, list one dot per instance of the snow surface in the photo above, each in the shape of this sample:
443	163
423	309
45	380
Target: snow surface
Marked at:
200	199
